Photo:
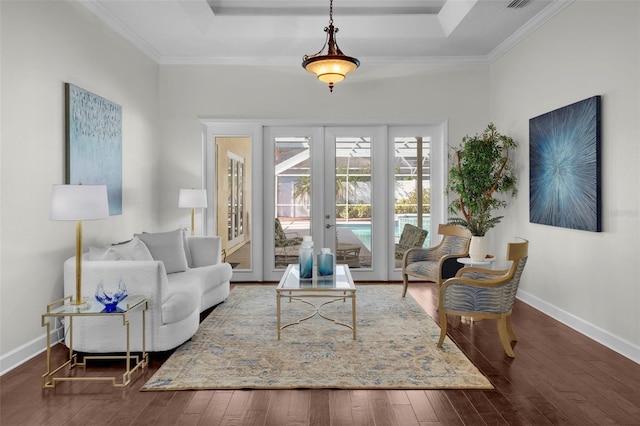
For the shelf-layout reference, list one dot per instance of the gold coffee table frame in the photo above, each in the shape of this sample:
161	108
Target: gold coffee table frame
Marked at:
337	287
63	308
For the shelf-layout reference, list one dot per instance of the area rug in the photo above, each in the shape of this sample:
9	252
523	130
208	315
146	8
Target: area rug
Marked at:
236	347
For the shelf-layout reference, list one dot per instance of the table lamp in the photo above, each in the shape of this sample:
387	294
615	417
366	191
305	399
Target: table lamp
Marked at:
79	202
193	199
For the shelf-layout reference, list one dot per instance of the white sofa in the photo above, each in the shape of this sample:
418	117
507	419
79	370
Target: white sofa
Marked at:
196	280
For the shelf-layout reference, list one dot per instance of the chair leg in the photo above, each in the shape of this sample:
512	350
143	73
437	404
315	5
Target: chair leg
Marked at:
504	336
405	283
512	335
443	327
456	321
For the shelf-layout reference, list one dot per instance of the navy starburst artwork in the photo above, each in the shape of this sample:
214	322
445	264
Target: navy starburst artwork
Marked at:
564	161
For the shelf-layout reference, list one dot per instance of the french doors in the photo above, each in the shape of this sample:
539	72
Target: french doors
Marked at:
324	185
351	189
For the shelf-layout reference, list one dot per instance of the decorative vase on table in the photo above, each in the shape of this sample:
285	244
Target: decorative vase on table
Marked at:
306	258
478	248
325	262
110	300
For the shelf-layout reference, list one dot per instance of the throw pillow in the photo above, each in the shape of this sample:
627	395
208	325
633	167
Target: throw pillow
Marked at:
132	250
96	253
167	247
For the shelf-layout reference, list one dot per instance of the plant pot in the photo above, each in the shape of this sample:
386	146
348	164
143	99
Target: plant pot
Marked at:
478	248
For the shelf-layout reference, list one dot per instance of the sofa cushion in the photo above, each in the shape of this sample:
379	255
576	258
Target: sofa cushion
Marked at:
204	278
167	247
181	303
132	250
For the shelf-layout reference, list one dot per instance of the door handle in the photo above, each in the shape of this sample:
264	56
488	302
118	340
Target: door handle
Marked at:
328	226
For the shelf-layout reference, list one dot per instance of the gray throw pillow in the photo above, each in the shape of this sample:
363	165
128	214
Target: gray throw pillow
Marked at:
167	247
135	249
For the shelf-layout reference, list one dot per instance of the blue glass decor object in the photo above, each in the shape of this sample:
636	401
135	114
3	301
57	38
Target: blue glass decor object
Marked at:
111	300
306	258
325	262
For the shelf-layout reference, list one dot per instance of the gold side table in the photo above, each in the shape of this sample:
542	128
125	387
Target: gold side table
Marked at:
63	308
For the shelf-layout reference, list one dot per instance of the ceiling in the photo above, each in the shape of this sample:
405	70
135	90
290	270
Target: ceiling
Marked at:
283	31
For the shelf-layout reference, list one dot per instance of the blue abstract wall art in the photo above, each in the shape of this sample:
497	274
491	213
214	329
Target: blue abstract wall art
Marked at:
94	143
564	158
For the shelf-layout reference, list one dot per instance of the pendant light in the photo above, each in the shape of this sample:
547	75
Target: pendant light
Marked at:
333	66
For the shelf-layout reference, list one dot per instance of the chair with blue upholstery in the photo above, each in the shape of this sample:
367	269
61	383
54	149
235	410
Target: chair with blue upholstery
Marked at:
439	262
480	293
411	237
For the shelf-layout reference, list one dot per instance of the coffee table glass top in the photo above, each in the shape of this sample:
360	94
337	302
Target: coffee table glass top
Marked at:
340	280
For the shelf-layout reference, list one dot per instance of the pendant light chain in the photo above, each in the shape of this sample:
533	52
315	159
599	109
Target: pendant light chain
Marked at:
330	12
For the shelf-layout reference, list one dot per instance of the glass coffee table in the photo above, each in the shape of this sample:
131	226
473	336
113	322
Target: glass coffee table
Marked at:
337	288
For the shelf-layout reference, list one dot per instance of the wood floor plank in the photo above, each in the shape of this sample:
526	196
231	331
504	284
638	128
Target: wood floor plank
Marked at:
340	408
445	412
320	408
360	410
299	408
422	406
278	409
381	409
558	377
216	408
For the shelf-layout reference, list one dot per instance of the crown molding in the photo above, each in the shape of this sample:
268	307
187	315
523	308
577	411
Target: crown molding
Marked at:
536	22
115	24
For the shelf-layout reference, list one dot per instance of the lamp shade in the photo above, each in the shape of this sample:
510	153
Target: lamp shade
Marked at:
192	198
79	202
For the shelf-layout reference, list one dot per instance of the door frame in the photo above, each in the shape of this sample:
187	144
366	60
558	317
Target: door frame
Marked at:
253	128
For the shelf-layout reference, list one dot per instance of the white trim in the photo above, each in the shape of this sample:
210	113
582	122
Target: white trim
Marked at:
31	349
615	343
116	24
523	32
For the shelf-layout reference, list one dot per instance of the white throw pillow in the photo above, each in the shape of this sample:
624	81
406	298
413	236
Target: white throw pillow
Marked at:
167	247
96	253
132	250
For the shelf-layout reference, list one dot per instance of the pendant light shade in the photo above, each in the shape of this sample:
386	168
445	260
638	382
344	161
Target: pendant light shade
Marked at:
333	66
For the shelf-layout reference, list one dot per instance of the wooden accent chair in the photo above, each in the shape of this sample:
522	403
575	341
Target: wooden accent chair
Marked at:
283	241
439	262
411	237
483	293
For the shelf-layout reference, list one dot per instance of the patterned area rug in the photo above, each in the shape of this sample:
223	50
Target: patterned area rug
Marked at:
236	347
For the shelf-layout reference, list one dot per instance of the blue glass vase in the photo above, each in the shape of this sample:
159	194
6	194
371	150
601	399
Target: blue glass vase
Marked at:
325	264
306	263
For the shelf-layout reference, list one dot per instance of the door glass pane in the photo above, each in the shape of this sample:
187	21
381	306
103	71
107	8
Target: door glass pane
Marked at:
293	197
232	176
353	201
412	190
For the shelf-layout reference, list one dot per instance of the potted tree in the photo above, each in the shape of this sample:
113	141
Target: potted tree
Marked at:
481	170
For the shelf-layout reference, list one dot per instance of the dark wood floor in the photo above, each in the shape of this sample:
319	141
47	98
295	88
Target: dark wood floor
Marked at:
558	377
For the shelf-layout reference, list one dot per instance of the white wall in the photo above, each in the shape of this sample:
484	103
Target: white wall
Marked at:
589	280
44	45
418	94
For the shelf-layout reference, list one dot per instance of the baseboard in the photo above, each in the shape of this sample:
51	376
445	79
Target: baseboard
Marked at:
24	353
613	342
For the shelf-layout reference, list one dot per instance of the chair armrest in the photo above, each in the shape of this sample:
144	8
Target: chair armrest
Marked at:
205	251
481	280
476	272
418	254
